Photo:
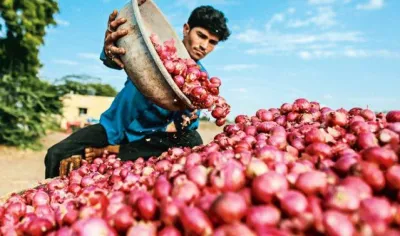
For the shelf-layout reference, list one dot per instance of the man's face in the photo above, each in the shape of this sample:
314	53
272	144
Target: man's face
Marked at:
198	41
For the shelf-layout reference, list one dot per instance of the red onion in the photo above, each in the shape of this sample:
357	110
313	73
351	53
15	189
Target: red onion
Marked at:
292	116
162	188
314	135
388	136
186	192
337	223
314	207
368	115
393	176
312	182
393	116
371	174
192	160
338	118
301	105
344	163
255	168
169	231
359	185
198	174
293	202
277	141
40	198
123	219
375	208
16	209
39	226
286	108
266	186
195	221
265	115
147	207
367	140
321	150
263	215
343	198
230	176
269	153
394	127
358	127
145	229
233	229
169	211
229	207
381	156
281	120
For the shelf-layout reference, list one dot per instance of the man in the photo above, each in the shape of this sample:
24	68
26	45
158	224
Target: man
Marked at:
134	126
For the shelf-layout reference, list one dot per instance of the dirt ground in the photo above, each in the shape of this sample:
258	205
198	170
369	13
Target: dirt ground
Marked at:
25	169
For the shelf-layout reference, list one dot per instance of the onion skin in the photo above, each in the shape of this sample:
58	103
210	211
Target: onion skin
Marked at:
375	208
142	229
371	174
195	221
266	186
312	182
393	116
234	229
393	177
293	202
332	219
229	207
344	199
169	231
385	158
262	216
147	207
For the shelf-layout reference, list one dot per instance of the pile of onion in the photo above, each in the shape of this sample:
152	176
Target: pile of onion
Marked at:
195	83
300	169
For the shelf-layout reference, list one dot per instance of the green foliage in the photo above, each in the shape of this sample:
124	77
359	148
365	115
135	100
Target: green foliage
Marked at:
27	108
78	84
24	28
27	104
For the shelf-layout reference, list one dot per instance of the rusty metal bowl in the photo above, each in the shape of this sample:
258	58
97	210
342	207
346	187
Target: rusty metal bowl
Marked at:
142	63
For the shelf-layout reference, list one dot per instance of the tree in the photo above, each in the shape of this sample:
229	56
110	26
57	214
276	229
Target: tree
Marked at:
27	104
78	84
24	28
27	109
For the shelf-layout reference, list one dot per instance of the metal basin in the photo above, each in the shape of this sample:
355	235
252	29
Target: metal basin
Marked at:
142	63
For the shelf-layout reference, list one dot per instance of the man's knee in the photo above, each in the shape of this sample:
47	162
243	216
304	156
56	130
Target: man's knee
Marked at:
52	155
191	139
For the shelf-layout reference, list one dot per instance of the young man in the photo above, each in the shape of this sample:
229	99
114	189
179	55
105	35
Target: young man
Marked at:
134	126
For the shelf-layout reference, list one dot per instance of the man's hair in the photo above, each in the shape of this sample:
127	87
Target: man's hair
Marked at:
211	19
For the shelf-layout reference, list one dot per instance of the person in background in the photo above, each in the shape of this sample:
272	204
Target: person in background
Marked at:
133	126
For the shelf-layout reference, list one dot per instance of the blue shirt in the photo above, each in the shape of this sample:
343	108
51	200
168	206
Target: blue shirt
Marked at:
133	116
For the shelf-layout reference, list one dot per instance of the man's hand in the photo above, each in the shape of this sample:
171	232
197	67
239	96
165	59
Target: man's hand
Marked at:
111	36
70	164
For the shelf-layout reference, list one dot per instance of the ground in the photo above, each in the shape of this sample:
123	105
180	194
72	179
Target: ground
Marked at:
25	169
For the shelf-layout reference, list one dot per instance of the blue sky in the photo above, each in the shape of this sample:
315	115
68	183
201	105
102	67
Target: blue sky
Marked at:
341	53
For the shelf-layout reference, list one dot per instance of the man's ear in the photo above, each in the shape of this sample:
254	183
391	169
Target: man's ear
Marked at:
186	29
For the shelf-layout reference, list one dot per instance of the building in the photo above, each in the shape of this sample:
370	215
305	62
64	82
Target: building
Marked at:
80	110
